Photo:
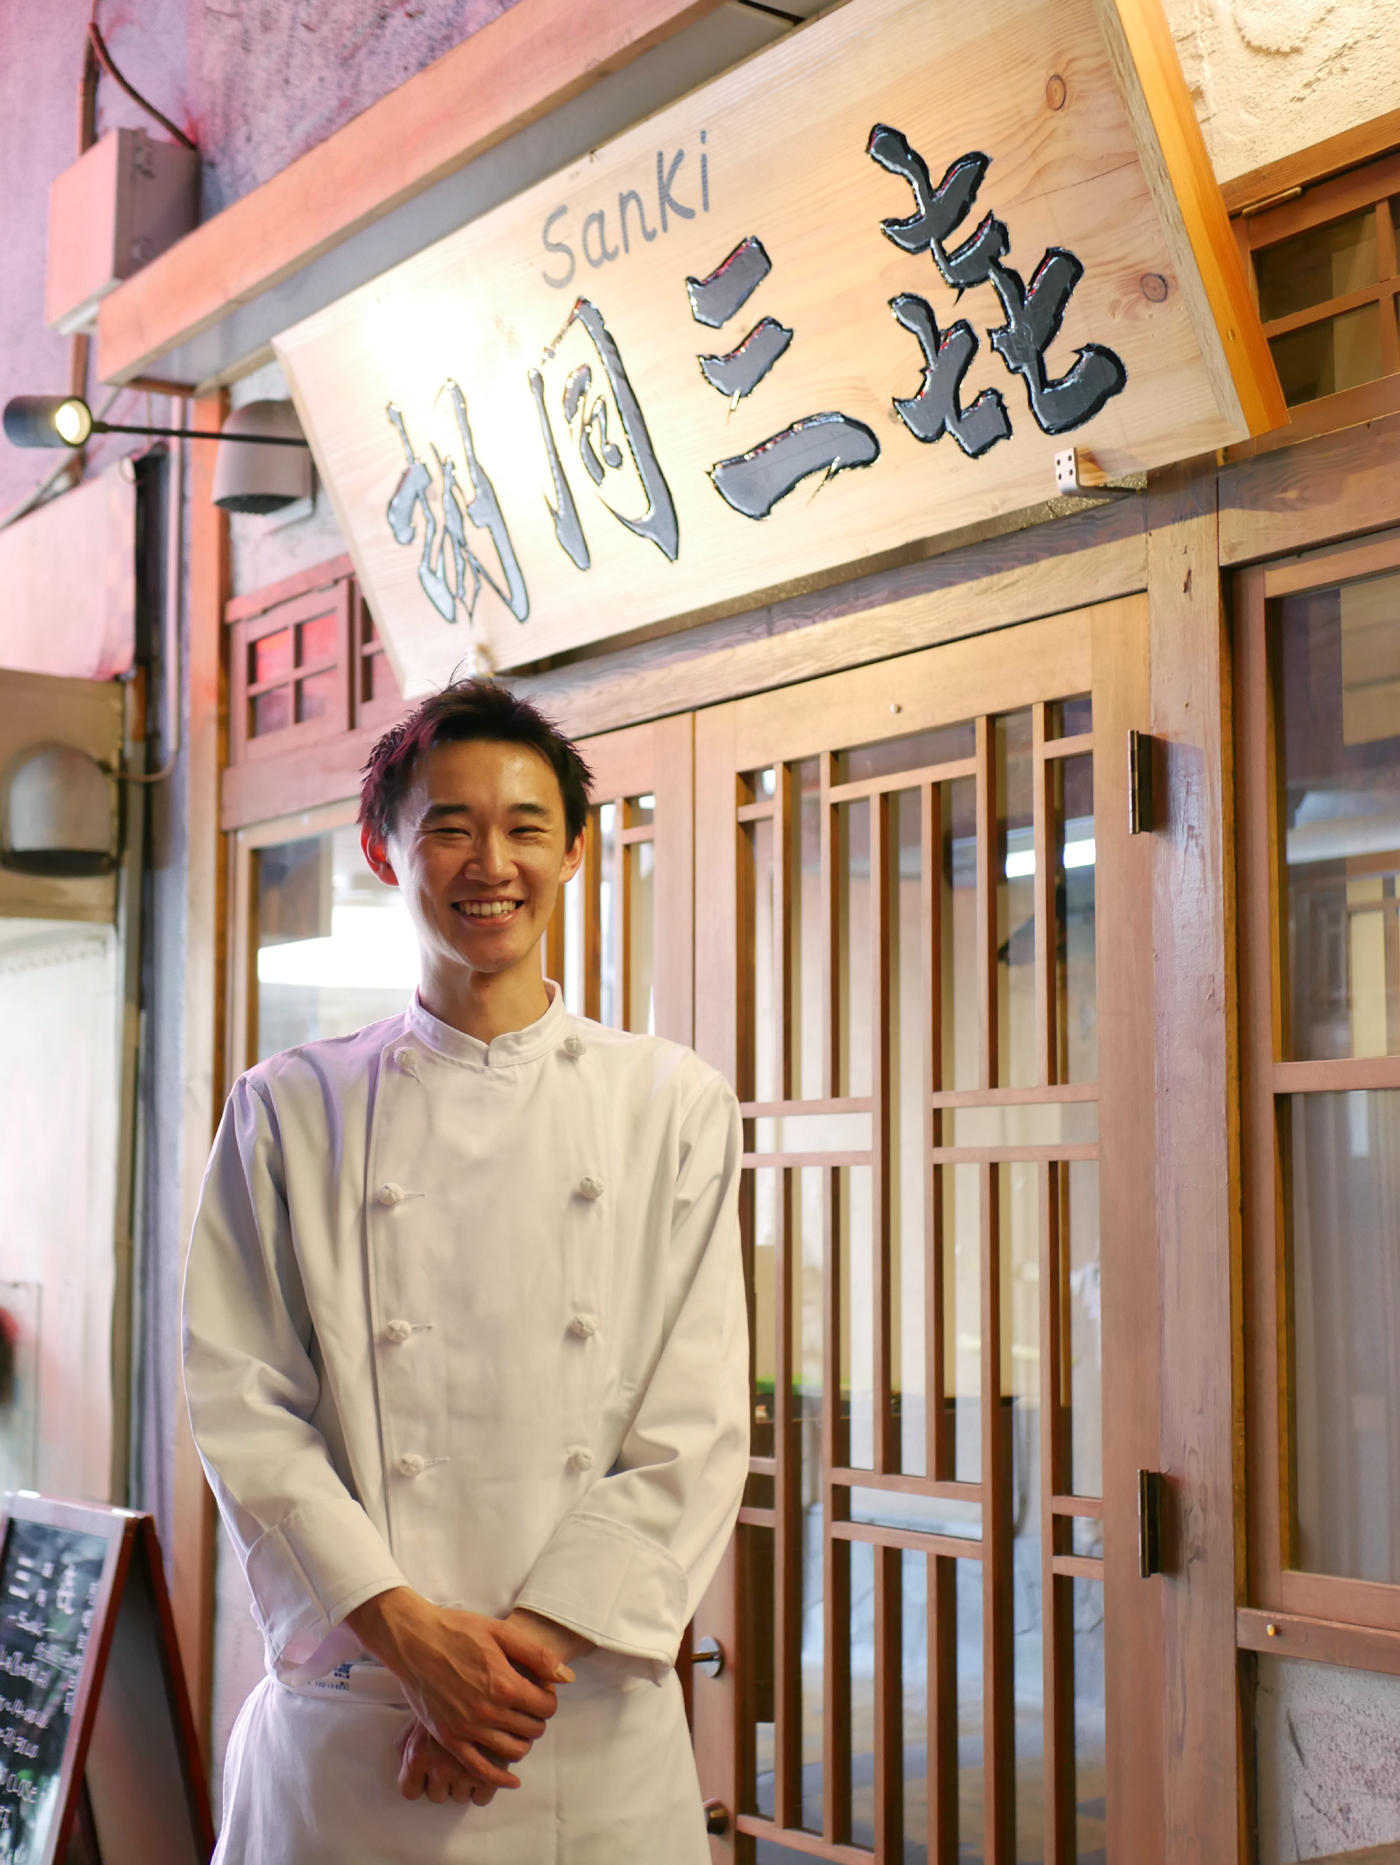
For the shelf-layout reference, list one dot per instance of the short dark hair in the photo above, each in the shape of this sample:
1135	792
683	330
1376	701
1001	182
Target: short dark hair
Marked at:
469	709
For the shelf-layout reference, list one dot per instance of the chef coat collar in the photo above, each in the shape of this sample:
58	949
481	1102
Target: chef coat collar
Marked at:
516	1046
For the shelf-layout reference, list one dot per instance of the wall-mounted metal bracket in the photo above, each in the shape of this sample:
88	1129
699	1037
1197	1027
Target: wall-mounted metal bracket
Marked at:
1078	477
1151	1489
1140	817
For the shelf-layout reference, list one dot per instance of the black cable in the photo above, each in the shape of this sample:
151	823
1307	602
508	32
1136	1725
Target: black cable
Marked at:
201	433
105	60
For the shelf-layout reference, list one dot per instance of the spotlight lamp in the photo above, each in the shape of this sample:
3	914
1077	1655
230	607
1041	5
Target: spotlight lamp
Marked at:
67	421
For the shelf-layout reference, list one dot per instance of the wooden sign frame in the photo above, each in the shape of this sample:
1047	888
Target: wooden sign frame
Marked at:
131	1783
720	359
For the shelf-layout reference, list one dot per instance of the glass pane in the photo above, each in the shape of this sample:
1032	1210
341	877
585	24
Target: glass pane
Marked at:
766	1078
335	947
641	1010
609	1009
1085	1474
1086	1536
379	678
862	1693
1015	870
909	1126
1076	963
764	1346
958	918
1070	718
270	658
858	1313
318	641
271	712
812	1133
641	812
1022	1123
317	694
1345	1172
1090	1751
575	911
931	1515
807	932
853	945
1340	679
971	1786
947	744
1019	1212
962	1318
809	1335
1323	263
1334	354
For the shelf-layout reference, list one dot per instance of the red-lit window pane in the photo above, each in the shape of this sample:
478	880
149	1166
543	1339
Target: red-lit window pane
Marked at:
316	641
271	658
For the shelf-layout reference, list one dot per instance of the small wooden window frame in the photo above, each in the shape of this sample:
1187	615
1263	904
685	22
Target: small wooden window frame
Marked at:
1288	1612
290	615
1314	205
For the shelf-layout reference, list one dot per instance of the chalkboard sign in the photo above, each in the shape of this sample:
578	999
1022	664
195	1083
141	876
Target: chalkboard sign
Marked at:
98	1759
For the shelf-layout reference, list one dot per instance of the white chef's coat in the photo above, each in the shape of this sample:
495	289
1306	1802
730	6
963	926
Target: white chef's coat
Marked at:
471	1318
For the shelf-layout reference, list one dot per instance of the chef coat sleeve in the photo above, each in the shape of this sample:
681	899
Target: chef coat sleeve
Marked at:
627	1566
310	1552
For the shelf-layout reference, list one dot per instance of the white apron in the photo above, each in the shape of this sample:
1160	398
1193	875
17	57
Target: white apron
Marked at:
471	1318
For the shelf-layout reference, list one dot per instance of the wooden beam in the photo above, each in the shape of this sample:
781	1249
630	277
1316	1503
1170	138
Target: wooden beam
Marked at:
527	62
1363	143
1044	570
1197	1177
1336	486
192	1557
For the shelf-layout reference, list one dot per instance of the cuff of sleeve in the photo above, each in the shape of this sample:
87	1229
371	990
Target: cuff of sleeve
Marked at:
316	1565
611	1585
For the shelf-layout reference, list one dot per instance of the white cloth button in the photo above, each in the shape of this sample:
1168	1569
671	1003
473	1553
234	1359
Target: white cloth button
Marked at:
573	1045
398	1330
390	1194
407	1060
411	1464
581	1457
584	1325
590	1188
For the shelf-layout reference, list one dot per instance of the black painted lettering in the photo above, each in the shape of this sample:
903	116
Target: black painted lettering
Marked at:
627	199
558	246
605	252
567	528
753	482
1033	319
740	373
937	408
715	299
664	177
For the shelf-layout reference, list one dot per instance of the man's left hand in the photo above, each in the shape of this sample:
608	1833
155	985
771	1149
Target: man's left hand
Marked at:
425	1767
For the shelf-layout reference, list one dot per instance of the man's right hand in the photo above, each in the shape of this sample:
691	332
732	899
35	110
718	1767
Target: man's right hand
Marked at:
482	1687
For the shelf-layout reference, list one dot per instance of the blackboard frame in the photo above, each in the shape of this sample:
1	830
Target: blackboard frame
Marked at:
132	1599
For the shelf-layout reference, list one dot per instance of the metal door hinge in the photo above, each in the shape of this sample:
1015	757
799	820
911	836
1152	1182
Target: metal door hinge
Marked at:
1151	1486
1140	747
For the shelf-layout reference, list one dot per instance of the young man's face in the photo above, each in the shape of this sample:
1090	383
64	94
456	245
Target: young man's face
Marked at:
480	850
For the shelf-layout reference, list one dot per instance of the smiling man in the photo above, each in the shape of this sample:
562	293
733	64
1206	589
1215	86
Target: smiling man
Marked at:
466	1356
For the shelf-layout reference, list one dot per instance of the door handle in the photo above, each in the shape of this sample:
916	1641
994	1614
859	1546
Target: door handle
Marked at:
1151	1488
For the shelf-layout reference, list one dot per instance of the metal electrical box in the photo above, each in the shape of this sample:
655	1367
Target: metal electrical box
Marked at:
122	203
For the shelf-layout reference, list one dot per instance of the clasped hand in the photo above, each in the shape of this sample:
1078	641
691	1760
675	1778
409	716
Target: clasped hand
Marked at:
481	1690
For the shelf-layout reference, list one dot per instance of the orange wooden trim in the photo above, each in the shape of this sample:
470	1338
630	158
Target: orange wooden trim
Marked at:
1303	167
1190	180
193	1526
512	72
1344	1076
300	583
1331	200
1368	556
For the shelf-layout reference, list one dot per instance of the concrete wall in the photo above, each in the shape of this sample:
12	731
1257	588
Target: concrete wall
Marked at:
1271	76
1329	1759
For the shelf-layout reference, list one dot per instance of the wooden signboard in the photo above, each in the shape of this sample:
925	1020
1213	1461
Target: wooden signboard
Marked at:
98	1759
855	293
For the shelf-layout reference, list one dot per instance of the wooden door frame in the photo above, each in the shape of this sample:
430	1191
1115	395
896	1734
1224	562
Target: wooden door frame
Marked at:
1103	649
